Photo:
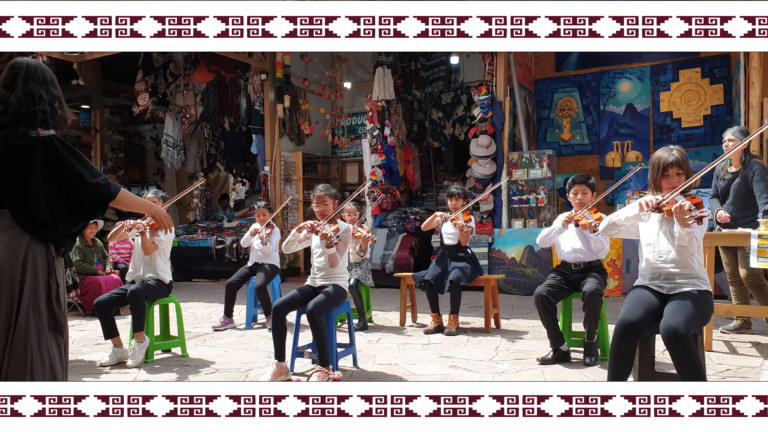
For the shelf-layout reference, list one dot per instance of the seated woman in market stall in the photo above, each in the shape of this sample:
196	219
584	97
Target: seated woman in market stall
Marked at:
455	267
222	207
149	280
325	289
263	264
120	254
359	267
94	269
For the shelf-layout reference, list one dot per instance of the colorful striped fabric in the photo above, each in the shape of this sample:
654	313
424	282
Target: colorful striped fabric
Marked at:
121	251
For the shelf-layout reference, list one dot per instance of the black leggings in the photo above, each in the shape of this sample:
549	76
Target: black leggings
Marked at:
354	292
678	315
317	300
264	274
434	300
137	295
123	269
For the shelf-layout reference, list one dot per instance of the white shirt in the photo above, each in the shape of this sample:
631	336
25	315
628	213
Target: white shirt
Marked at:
354	250
671	257
261	253
329	266
451	233
156	266
573	244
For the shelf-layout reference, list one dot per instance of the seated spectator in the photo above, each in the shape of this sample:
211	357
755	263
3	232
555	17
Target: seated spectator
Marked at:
94	269
222	207
120	255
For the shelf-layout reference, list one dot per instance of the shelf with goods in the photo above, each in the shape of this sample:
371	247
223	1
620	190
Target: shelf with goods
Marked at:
533	197
313	170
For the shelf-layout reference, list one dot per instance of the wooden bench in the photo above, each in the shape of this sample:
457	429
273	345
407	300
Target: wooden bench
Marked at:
490	284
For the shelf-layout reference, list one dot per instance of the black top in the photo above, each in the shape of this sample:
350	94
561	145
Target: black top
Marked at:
743	197
52	190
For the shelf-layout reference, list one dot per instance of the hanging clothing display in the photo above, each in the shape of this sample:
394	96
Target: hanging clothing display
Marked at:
172	145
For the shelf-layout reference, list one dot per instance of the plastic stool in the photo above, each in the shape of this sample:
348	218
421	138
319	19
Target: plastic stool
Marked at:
253	307
333	344
645	357
165	340
365	293
575	339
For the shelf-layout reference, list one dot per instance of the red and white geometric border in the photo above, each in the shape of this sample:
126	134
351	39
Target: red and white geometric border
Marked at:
383	406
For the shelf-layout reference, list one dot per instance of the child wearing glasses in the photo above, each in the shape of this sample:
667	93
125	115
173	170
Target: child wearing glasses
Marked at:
359	267
325	289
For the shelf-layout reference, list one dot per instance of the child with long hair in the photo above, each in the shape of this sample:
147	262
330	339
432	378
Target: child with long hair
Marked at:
325	289
455	267
672	288
263	263
359	266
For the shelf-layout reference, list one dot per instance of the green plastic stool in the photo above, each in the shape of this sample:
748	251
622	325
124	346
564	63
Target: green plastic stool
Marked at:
164	341
575	339
365	293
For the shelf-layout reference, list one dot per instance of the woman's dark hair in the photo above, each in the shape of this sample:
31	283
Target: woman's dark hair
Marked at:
580	179
738	132
262	205
460	192
157	193
663	159
325	190
30	99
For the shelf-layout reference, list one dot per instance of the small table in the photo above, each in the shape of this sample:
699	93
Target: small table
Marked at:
490	294
712	240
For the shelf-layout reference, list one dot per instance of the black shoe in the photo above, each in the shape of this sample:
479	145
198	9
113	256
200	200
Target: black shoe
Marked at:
591	355
362	324
555	356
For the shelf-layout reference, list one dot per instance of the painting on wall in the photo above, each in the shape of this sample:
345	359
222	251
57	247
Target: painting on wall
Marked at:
692	101
567	114
625	118
638	182
739	92
571	61
524	68
523	263
561	181
701	157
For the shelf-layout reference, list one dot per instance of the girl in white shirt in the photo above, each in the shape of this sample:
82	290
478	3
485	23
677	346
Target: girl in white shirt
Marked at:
263	263
672	288
325	289
455	267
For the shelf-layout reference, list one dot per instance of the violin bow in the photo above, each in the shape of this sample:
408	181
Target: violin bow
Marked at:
711	166
347	201
480	197
274	214
367	212
608	191
165	206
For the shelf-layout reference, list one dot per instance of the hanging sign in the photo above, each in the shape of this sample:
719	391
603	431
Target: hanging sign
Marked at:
85	119
354	125
758	253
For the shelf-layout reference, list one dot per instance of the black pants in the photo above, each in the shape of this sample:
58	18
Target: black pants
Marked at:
679	315
137	295
123	269
357	298
562	283
317	300
434	300
264	274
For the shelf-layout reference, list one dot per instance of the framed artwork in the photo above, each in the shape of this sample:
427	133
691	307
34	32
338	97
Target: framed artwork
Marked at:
534	173
521	174
518	224
530	223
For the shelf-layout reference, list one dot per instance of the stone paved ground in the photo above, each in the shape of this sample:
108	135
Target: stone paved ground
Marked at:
388	352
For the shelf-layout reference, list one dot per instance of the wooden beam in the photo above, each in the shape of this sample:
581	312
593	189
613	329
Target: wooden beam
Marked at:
78	58
755	97
245	59
77	90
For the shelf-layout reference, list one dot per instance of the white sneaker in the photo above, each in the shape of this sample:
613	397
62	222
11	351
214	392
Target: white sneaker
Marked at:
277	372
138	350
117	355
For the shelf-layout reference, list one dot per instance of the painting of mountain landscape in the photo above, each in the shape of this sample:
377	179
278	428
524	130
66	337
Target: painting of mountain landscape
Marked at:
700	157
516	255
625	118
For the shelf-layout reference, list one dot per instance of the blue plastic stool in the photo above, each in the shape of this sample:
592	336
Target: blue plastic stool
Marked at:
253	307
333	345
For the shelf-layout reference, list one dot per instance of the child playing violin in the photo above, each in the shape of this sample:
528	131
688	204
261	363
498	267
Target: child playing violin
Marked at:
325	289
359	267
455	266
263	263
672	288
581	251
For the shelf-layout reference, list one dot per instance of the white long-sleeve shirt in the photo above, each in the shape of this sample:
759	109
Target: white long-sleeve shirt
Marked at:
156	266
354	250
261	253
329	266
573	244
671	257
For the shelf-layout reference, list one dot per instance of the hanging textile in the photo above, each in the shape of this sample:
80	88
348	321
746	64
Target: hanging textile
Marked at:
172	145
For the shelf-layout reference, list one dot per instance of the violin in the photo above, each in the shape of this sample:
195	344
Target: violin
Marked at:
697	207
589	213
592	214
462	219
265	233
360	231
330	223
146	223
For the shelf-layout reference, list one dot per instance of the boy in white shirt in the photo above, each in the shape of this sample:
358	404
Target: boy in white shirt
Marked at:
581	270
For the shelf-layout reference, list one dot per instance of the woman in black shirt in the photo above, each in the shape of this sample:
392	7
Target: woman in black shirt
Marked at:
40	222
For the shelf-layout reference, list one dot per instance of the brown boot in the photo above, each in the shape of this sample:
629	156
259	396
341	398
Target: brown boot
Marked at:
436	325
452	329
